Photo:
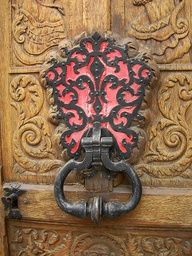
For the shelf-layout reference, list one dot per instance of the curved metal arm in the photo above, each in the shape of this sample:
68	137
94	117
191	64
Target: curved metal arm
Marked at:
96	207
78	208
114	209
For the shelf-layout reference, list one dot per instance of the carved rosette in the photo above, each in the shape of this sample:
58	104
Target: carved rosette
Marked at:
161	28
36	32
32	143
97	244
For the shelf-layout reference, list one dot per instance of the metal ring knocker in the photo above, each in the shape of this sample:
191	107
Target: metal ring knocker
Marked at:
96	152
98	90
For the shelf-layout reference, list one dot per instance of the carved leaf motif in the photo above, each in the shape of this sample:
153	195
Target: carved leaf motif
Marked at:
133	246
42	243
26	89
33	149
158	246
21	22
169	149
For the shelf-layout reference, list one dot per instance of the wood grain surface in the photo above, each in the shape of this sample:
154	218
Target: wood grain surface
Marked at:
30	152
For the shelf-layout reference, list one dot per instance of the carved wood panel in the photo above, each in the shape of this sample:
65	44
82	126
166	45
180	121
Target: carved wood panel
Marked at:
163	25
167	157
32	139
30	239
158	26
37	26
31	153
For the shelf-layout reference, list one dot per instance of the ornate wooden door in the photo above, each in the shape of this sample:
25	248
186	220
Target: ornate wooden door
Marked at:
31	155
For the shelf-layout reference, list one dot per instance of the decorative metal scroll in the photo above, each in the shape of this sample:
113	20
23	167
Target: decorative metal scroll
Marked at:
98	91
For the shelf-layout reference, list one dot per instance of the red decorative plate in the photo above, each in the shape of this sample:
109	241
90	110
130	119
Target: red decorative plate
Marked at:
99	82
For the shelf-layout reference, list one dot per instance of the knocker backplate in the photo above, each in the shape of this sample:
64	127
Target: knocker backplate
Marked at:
97	81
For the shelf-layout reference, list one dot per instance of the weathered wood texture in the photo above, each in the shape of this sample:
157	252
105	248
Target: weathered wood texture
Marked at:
3	81
158	206
30	30
84	240
164	29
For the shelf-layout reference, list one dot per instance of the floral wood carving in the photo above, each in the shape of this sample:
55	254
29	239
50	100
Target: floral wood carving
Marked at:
169	147
162	29
158	246
44	242
32	145
37	27
40	243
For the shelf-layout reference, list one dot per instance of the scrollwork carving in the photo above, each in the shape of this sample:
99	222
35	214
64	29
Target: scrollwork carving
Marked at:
32	144
161	28
41	242
169	148
35	32
38	241
158	246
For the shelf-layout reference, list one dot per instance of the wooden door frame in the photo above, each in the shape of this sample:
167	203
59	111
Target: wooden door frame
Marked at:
4	68
159	206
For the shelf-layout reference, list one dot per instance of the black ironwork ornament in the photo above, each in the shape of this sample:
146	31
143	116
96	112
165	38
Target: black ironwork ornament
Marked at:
98	90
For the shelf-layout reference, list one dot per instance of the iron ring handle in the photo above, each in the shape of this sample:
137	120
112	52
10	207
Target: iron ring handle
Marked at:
97	207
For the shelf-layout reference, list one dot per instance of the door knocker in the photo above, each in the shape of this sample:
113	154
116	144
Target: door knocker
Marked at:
98	89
